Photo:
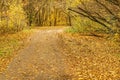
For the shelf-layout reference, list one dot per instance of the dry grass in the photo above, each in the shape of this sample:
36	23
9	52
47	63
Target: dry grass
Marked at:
92	58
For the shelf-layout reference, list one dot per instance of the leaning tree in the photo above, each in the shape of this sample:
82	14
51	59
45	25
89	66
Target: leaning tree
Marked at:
103	12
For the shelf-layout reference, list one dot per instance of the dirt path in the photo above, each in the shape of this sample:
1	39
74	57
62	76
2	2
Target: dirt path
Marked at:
42	59
49	56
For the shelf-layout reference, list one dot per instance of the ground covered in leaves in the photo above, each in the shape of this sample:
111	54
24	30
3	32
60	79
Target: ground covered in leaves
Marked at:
91	57
52	54
9	45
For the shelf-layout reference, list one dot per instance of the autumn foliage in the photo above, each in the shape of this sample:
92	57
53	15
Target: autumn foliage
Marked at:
12	16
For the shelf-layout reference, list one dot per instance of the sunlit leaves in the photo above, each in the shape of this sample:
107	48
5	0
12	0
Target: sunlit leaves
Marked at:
17	16
13	18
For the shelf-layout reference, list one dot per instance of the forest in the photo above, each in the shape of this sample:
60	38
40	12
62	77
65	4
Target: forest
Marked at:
16	15
59	39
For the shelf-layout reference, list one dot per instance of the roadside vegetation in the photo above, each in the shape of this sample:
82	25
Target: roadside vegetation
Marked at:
92	41
97	18
10	44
